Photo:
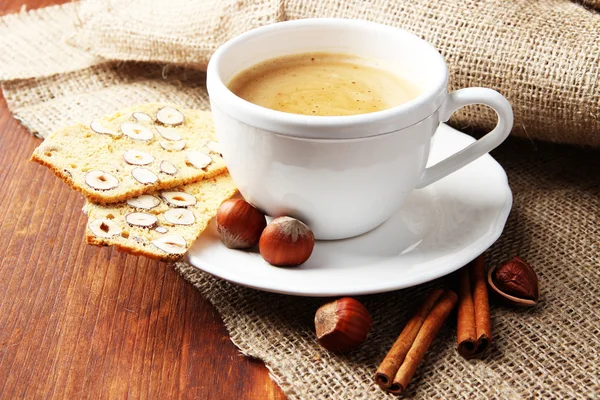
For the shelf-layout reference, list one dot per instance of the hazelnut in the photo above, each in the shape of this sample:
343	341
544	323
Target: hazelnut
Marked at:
515	282
240	224
342	325
286	242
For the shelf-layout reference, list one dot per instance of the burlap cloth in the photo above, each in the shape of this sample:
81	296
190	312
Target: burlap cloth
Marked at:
550	351
543	55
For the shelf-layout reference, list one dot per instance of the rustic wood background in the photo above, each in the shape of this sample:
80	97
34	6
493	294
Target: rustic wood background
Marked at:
80	321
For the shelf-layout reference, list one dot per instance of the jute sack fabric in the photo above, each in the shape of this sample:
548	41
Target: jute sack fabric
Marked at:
44	32
550	351
544	56
590	3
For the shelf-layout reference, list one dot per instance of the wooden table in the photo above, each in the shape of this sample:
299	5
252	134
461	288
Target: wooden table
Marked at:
77	320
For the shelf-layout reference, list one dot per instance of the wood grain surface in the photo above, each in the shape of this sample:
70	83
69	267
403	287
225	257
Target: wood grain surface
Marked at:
80	321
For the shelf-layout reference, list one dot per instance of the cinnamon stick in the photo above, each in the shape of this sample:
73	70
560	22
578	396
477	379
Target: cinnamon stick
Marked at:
466	335
392	361
430	316
474	327
426	334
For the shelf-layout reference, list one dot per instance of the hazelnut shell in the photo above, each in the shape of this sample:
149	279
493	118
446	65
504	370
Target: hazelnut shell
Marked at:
286	242
240	224
342	325
515	282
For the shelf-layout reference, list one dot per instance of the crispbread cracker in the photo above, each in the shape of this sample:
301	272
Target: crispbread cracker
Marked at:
95	163
208	193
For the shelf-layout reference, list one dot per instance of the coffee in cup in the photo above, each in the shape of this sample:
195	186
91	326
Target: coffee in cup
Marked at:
323	84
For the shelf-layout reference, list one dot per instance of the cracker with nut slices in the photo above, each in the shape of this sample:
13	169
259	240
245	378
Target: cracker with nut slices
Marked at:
135	151
162	225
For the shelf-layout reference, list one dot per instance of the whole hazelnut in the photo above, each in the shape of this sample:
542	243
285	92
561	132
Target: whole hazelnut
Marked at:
515	282
240	224
286	242
342	325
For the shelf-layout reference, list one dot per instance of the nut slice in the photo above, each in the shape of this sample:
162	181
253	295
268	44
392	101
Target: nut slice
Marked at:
144	175
214	147
144	201
97	127
178	199
169	146
169	116
180	216
104	228
141	219
198	159
168	133
161	229
172	244
136	131
168	167
140	116
101	180
136	157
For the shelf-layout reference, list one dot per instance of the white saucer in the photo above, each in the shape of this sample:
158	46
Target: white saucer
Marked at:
440	229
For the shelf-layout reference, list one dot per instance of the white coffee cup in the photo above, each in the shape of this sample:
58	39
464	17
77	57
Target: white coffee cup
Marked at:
342	175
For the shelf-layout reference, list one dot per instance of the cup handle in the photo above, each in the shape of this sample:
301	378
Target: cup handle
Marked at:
456	100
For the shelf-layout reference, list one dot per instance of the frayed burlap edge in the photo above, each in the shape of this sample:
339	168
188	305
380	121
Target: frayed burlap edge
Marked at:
33	43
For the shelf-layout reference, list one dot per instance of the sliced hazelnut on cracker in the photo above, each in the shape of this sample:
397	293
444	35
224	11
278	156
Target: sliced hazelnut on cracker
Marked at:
105	228
169	116
178	199
101	180
144	175
168	133
172	146
136	157
141	219
136	131
172	244
141	117
98	127
198	159
161	229
144	201
168	167
214	147
180	216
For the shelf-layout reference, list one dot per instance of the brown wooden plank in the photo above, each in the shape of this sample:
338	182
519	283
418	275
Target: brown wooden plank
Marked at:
82	321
